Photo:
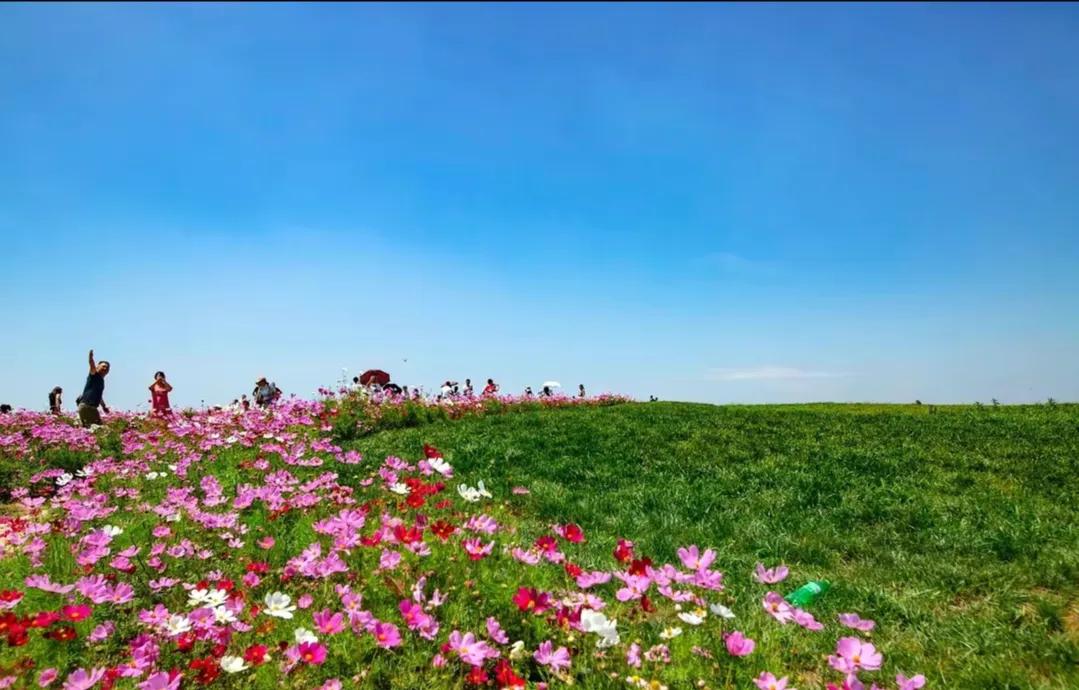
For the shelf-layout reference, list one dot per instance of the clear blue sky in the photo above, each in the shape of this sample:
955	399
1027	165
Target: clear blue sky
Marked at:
718	203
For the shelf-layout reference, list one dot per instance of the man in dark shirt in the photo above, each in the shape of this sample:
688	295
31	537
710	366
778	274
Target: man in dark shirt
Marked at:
93	394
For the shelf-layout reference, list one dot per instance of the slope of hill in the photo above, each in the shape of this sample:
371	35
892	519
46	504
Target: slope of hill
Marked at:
958	527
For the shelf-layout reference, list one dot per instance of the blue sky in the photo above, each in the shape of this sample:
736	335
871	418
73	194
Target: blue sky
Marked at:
746	203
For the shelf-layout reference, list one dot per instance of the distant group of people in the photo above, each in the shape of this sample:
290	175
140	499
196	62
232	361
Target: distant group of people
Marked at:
91	403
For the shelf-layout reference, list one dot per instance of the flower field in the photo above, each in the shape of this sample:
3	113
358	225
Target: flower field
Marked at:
219	549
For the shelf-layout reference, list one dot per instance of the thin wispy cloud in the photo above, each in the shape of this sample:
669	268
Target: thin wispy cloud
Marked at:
769	373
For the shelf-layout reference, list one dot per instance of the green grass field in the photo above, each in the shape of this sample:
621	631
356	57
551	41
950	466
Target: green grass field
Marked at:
958	530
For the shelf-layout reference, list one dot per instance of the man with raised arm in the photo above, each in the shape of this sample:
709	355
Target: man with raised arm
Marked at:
93	393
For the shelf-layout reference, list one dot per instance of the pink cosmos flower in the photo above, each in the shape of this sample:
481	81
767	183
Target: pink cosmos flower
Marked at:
693	560
738	644
595	577
914	683
46	677
853	620
388	560
386	635
266	543
80	679
853	655
772	576
520	491
328	622
472	651
767	681
557	659
305	601
476	548
806	620
636	587
633	655
161	681
102	632
495	631
778	608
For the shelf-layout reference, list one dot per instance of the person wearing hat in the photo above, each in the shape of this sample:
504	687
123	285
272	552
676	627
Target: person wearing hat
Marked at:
265	392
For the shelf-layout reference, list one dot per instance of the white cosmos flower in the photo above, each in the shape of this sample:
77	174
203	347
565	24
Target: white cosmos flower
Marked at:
64	479
207	597
177	625
517	650
596	622
441	466
222	615
278	605
670	633
233	664
399	488
721	611
112	530
473	494
304	635
694	617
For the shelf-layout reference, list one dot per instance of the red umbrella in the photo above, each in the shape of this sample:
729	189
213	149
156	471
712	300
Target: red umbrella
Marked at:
374	376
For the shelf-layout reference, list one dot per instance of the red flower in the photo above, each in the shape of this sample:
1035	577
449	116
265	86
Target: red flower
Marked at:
647	605
477	676
9	595
255	654
443	530
505	676
640	566
207	668
529	599
572	569
547	543
258	567
43	619
415	500
431	452
185	641
407	536
624	551
63	633
573	533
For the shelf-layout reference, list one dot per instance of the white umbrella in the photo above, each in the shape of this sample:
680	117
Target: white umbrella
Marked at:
551	384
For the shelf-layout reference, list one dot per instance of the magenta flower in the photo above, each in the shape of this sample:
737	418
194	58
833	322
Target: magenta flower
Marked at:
914	683
557	659
386	635
46	677
778	608
738	644
693	560
853	655
767	681
476	548
772	576
806	620
633	655
388	560
313	653
328	622
853	620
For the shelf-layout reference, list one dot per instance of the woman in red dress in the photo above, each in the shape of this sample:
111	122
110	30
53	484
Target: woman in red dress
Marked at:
159	394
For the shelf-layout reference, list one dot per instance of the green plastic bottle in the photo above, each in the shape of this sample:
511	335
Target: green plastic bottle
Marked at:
808	593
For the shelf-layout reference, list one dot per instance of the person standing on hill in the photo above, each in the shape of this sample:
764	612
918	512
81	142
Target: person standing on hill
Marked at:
265	392
468	388
56	402
159	394
93	393
580	391
491	388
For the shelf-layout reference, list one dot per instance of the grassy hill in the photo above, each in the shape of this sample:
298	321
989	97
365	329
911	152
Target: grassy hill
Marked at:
958	528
